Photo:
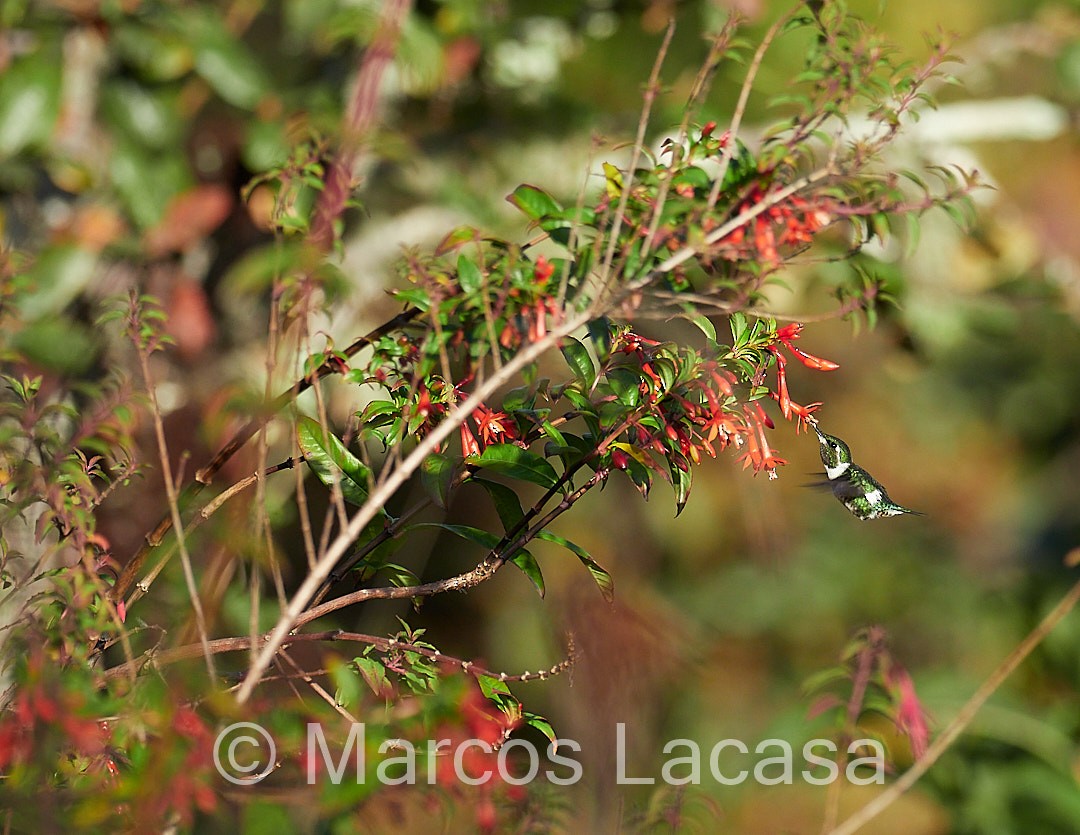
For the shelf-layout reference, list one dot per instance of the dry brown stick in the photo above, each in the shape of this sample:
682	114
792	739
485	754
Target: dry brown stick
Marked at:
173	498
334	196
187	652
206	474
359	122
964	718
320	691
740	106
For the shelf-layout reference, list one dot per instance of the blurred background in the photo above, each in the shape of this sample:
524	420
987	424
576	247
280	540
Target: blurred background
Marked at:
964	399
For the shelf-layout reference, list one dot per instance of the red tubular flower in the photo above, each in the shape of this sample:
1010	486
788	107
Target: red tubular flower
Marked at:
803	414
910	715
765	240
543	270
810	361
423	403
759	454
469	444
724	381
493	427
538	330
788	334
781	393
762	417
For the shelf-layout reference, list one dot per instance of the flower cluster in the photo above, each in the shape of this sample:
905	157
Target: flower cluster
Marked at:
793	222
481	720
491	428
786	336
702	412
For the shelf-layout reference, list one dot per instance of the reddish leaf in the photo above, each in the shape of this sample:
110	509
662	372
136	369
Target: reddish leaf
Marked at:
189	217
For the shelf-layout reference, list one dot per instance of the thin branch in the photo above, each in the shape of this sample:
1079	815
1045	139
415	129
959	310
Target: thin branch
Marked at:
740	107
484	571
203	514
219	646
384	491
359	122
320	691
720	43
652	89
964	718
206	475
173	499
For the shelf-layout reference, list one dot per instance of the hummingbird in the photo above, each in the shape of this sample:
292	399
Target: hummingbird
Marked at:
856	489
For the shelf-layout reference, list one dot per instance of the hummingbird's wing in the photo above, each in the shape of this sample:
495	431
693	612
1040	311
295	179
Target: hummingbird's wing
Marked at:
845	488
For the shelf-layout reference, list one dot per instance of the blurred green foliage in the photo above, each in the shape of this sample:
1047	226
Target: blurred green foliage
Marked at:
965	398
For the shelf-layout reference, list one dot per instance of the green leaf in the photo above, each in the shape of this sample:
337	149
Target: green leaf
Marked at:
529	567
469	276
694	177
59	343
30	100
226	63
513	461
554	434
141	115
437	477
256	271
59	275
681	480
738	328
544	726
156	55
146	181
599	574
613	180
626	384
600	334
493	688
577	357
332	462
704	325
480	537
346	683
534	202
266	145
500	694
374	674
416	296
457	238
506	501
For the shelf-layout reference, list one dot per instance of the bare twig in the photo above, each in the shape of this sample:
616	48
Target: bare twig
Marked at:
359	122
964	718
201	516
384	491
740	107
320	691
652	90
206	475
174	505
220	646
720	43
